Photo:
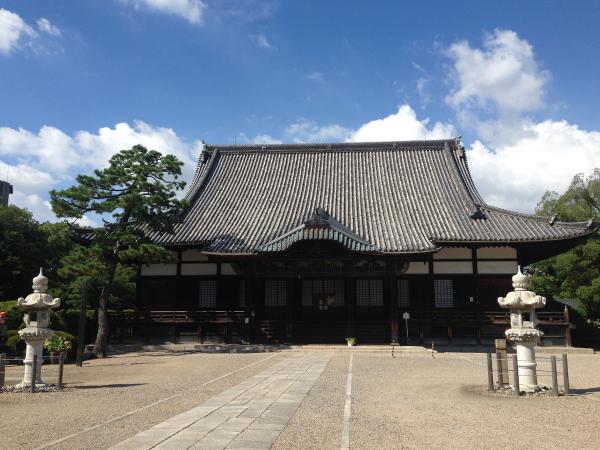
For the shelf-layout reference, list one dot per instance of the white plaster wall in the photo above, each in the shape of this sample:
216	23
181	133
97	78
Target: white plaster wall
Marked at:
418	267
497	267
159	269
199	269
193	255
453	253
496	253
227	269
452	267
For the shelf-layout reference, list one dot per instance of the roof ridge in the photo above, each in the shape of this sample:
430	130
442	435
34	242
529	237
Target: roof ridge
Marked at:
328	145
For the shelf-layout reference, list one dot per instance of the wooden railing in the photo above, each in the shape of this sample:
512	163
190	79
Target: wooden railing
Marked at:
483	317
194	316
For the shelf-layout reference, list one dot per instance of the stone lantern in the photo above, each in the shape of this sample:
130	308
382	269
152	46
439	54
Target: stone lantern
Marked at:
37	307
523	332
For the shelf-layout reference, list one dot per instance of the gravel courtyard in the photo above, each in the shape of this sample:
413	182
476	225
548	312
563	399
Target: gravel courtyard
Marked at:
411	401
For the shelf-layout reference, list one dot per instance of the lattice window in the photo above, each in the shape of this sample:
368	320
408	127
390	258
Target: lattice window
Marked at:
207	294
403	294
369	292
443	293
275	293
333	288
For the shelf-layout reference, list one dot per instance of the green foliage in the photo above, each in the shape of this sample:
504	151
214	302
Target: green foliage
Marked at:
86	262
20	241
574	274
13	340
60	342
136	196
14	314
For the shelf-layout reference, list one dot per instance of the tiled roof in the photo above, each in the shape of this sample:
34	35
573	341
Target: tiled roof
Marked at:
392	197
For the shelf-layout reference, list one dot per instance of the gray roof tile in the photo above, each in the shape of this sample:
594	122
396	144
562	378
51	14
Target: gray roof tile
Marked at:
396	197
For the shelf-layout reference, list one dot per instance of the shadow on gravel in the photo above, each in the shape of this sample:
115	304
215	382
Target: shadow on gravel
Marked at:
105	386
182	349
584	391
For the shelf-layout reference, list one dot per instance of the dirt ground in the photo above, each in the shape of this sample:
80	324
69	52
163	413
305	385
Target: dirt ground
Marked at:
410	401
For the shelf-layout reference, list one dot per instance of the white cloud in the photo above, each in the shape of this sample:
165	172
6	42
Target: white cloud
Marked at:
305	130
13	30
261	40
516	175
514	159
266	139
190	10
51	158
495	85
403	125
45	26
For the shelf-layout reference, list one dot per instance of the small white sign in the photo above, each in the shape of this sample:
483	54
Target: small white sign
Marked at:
406	316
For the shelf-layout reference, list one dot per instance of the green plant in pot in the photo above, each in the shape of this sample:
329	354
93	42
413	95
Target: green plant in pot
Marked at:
55	345
351	341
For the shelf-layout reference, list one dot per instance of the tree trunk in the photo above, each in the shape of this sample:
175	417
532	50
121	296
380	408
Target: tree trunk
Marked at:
102	335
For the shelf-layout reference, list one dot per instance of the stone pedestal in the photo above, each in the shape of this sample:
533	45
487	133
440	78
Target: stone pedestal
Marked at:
524	343
37	318
34	338
523	332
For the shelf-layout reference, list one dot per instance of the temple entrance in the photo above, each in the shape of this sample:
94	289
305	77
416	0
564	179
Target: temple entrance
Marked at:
323	300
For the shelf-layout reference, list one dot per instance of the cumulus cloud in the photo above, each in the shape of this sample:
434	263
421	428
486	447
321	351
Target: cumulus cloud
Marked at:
494	85
34	163
516	175
190	10
403	125
514	159
16	34
13	31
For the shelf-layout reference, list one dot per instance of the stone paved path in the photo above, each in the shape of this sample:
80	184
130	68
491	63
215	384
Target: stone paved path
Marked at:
250	415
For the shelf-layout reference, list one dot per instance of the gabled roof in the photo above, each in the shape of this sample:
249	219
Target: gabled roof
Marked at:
391	197
321	226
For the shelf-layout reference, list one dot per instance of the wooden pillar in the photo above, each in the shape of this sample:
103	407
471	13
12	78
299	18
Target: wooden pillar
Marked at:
291	297
249	319
350	306
393	307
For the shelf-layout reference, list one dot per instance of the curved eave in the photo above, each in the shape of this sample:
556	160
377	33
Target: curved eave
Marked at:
304	233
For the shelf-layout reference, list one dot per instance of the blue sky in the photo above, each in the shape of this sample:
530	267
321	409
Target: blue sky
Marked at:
518	80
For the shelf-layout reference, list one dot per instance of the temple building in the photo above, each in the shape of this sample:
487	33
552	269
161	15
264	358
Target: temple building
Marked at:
319	242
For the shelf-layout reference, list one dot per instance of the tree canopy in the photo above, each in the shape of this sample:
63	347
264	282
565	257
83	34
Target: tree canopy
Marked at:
25	246
574	274
134	195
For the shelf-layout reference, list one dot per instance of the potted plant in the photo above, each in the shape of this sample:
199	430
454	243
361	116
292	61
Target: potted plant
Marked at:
55	345
351	341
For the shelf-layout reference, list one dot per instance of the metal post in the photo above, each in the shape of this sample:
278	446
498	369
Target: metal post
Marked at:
565	368
516	375
34	365
490	371
499	368
2	368
554	375
61	366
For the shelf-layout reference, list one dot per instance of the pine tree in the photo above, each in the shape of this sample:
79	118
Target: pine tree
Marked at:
135	196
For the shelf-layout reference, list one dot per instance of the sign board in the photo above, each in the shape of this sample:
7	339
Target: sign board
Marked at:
406	316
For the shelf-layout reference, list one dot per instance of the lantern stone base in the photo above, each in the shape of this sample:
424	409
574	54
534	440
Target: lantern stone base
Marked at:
524	341
34	338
